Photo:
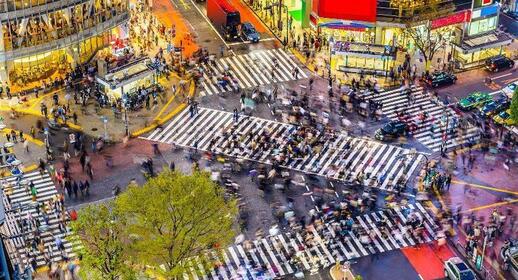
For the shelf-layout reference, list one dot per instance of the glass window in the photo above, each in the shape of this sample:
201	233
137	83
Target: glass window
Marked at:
481	26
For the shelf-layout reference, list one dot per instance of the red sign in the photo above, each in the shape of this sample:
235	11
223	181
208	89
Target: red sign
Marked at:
460	17
364	10
487	2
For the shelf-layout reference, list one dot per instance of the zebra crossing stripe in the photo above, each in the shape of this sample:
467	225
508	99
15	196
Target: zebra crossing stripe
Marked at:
250	70
396	100
22	207
362	155
272	251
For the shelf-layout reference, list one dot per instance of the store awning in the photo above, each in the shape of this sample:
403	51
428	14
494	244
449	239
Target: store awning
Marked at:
485	41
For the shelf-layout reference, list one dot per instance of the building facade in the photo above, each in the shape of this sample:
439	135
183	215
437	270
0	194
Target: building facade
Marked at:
41	39
469	29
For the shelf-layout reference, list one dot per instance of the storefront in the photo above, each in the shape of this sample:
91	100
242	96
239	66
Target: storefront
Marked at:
479	39
55	63
363	58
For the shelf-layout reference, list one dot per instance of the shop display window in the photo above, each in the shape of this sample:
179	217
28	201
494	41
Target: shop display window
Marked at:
482	26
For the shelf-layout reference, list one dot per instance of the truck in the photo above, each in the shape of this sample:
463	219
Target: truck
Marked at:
225	17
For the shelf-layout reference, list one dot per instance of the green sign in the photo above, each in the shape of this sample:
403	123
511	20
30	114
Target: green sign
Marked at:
478	262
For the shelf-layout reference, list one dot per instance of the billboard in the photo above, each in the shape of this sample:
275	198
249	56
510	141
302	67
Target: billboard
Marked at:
364	10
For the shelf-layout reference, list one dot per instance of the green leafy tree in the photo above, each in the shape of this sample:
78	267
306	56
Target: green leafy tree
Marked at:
514	106
99	238
175	220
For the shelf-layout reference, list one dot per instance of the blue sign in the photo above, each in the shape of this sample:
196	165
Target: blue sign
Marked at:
489	11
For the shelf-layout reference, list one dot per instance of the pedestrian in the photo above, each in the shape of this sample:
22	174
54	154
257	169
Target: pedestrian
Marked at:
74	117
82	160
82	189
13	136
172	166
21	136
34	191
448	182
8	137
75	189
89	171
87	187
32	132
26	145
68	189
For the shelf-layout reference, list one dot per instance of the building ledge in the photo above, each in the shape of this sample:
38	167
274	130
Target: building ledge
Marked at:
484	41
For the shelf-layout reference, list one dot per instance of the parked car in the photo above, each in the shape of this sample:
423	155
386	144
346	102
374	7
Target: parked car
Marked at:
494	107
440	78
504	118
474	100
499	62
456	269
510	89
394	129
509	256
248	33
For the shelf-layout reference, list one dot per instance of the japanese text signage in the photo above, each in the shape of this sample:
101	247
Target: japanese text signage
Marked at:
460	17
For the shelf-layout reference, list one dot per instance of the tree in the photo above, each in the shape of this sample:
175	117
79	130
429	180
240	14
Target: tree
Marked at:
419	26
514	106
100	232
175	219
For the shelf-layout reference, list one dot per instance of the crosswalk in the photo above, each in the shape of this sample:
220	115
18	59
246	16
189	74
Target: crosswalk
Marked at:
23	220
340	157
278	254
440	116
250	70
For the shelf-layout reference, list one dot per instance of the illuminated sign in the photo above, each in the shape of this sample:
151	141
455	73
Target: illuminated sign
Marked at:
485	12
364	10
482	3
460	17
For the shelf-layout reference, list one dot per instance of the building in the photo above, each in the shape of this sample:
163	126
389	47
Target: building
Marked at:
479	38
43	39
375	29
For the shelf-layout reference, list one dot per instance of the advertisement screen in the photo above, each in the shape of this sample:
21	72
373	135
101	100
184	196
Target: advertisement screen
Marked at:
364	10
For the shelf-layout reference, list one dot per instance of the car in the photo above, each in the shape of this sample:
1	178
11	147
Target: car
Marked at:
456	269
394	129
510	89
504	118
248	33
494	107
473	100
499	62
440	78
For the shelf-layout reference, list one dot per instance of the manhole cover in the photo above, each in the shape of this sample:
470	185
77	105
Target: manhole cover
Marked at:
94	129
207	41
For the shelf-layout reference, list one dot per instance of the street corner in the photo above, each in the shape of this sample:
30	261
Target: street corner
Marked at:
428	259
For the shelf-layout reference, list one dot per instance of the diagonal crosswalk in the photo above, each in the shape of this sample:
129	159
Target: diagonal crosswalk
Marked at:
443	118
281	255
24	220
337	156
249	70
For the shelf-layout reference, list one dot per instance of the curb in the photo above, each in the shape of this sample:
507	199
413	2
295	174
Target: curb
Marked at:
27	169
26	136
160	121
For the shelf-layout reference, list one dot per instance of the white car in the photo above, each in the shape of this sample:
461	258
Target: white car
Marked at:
456	269
509	89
